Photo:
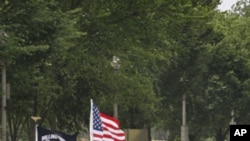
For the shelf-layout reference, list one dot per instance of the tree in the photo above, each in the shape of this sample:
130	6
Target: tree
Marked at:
63	52
220	74
192	32
36	31
227	72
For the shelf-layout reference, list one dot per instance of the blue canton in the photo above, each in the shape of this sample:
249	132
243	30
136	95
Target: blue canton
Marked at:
97	123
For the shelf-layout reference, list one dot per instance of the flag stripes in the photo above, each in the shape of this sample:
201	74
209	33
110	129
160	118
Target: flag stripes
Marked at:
104	127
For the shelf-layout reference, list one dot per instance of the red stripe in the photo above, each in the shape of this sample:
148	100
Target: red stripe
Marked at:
110	118
111	128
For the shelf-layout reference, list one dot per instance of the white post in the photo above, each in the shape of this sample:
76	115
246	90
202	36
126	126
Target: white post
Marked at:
184	110
184	128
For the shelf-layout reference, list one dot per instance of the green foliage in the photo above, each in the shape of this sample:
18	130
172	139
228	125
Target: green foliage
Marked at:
63	53
58	56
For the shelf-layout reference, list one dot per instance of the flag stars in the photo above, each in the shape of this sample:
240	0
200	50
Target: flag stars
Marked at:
104	127
97	123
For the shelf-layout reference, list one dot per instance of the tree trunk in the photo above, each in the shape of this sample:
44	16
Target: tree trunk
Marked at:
220	136
193	137
32	131
33	123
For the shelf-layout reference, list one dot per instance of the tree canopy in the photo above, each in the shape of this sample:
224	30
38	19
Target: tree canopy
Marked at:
58	56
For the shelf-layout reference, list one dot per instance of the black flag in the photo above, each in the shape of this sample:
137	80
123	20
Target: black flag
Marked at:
44	134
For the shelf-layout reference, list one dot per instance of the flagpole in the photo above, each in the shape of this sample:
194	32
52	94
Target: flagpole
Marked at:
116	64
91	121
35	119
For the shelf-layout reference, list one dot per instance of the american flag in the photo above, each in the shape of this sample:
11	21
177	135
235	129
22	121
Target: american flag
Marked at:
104	127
